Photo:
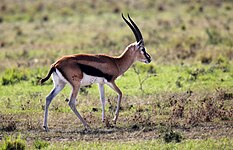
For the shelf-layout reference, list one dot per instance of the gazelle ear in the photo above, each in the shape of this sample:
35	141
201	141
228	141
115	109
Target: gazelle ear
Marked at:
140	43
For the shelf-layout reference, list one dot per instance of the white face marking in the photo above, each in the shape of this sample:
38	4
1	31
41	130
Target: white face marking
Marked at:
88	80
141	52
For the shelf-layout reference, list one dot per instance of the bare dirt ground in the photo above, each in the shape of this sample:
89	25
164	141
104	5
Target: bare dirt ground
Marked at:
67	128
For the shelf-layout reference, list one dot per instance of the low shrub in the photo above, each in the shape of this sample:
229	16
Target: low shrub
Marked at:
12	76
39	144
12	143
172	136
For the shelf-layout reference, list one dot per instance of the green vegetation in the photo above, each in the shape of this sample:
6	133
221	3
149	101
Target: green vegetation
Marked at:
12	143
39	144
154	144
172	136
182	100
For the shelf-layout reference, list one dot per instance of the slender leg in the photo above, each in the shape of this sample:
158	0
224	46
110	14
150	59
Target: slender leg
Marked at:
102	99
58	86
72	104
115	88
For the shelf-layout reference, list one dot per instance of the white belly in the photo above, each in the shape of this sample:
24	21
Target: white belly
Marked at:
88	80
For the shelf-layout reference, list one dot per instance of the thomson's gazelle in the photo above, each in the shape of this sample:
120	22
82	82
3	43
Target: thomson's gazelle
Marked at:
86	69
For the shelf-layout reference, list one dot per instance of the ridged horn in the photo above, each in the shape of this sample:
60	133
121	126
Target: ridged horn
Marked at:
132	28
139	34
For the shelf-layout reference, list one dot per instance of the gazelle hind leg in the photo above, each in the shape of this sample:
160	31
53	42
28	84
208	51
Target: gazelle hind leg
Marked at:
58	86
102	99
72	104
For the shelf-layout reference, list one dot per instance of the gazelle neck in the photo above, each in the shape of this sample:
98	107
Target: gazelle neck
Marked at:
125	61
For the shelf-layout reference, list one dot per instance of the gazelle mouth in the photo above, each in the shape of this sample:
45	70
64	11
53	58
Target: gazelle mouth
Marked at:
147	62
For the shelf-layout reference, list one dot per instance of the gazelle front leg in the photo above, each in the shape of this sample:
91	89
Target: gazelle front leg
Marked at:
102	99
72	104
115	88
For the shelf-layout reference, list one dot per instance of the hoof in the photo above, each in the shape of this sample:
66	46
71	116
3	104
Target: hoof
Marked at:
46	128
87	127
114	120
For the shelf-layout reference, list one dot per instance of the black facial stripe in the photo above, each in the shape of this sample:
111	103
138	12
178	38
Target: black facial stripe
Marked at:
144	51
147	57
146	54
92	71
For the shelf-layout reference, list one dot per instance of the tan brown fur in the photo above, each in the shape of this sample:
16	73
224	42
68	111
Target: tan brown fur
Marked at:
115	66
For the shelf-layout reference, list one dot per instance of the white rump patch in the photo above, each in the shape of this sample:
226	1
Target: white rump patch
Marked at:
60	76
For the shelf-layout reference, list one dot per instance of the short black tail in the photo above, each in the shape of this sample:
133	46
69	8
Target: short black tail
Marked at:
52	69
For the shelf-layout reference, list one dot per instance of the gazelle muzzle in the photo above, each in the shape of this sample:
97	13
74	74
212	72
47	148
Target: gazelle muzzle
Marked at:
147	56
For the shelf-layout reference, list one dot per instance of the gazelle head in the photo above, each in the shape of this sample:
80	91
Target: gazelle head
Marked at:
138	47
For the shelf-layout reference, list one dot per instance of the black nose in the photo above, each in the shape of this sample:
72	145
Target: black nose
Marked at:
148	57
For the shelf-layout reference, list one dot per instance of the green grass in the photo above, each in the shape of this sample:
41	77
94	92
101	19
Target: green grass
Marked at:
194	144
13	143
207	144
168	78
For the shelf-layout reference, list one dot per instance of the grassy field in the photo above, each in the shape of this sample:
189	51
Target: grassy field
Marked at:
182	100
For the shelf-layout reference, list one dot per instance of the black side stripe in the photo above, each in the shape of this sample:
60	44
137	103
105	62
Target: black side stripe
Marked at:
92	71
